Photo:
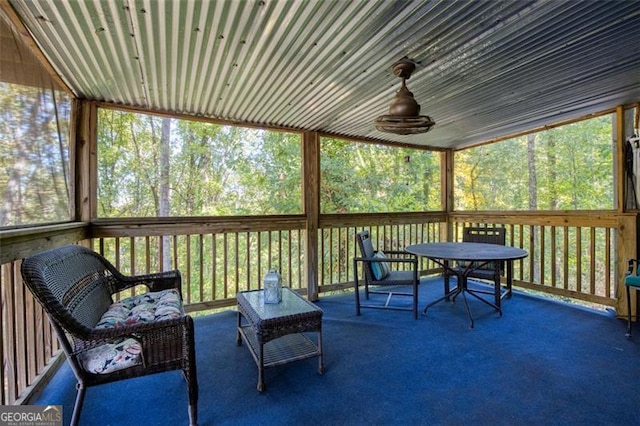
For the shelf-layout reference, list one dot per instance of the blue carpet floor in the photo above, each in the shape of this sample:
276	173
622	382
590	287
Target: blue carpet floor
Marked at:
541	363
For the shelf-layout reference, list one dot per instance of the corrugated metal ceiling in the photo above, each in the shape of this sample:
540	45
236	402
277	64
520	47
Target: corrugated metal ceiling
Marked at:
486	68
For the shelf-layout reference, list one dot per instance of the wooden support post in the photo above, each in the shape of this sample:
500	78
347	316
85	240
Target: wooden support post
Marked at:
84	182
311	197
83	144
626	249
446	177
619	160
626	238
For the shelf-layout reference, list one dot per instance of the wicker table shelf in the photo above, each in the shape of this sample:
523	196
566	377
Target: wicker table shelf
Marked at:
275	334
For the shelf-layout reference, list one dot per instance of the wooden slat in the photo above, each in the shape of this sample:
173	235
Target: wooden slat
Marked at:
340	256
532	253
578	274
3	335
289	259
554	259
331	277
543	253
214	264
147	251
225	265
20	243
259	266
175	253
201	267
161	248
132	257
32	348
126	227
299	257
279	251
571	294
592	260
539	218
187	269
247	238
349	239
9	344
117	254
565	257
39	328
607	275
236	259
20	336
45	341
322	267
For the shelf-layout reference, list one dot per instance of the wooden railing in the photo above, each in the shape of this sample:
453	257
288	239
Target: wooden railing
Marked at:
28	346
388	232
28	341
216	257
572	255
214	267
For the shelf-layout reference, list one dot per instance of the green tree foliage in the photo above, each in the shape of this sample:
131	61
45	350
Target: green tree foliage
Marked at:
34	152
214	170
565	168
365	178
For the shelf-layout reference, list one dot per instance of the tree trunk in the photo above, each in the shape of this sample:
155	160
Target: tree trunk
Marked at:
164	207
533	179
533	199
553	173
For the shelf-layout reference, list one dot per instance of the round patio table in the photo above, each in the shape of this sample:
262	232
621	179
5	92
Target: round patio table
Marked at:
474	256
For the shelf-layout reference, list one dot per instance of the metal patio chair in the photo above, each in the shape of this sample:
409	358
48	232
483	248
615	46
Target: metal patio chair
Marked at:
381	274
491	271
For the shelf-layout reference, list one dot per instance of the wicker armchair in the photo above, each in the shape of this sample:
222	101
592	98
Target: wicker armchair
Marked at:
492	271
381	281
75	286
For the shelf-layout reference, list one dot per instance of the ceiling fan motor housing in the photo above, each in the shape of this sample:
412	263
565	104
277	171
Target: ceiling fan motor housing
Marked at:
404	104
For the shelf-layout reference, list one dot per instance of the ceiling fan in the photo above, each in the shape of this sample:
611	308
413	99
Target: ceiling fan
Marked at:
404	112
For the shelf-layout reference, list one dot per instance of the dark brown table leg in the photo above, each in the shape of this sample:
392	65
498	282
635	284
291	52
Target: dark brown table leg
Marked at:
261	368
238	336
509	277
320	359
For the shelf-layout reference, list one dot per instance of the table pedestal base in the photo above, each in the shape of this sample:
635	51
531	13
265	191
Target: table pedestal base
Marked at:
462	288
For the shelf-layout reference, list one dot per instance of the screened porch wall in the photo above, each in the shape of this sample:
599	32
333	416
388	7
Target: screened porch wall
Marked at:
217	259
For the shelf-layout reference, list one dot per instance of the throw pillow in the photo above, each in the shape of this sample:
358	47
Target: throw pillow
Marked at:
380	269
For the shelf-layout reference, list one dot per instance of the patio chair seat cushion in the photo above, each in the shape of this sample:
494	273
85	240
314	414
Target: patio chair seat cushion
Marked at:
112	357
143	308
380	269
632	280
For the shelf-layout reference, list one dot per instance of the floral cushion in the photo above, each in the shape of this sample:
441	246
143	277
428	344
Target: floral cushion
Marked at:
112	357
143	308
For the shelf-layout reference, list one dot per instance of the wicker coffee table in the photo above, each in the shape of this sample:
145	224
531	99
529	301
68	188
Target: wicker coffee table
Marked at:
274	333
